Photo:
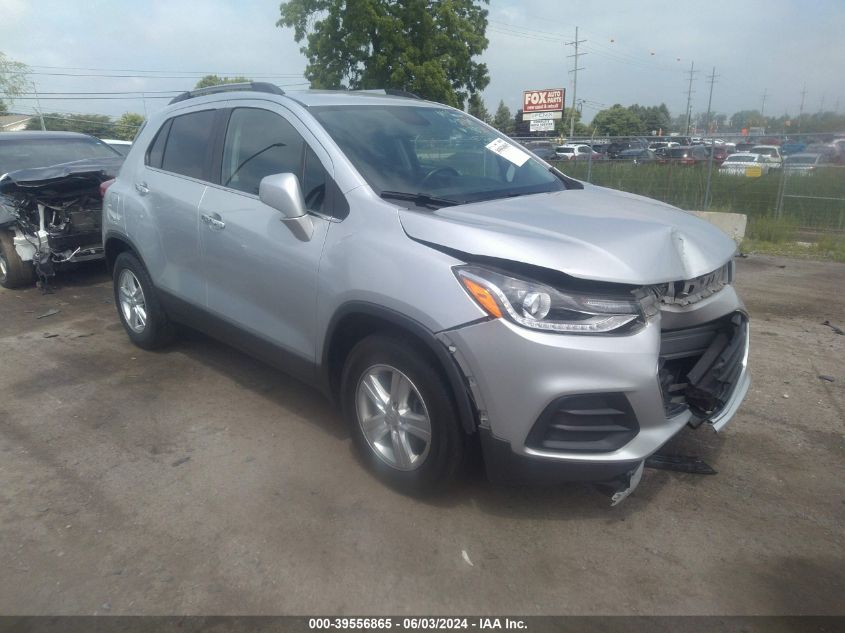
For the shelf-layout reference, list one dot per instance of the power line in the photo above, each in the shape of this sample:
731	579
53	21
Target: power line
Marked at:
763	105
137	70
185	76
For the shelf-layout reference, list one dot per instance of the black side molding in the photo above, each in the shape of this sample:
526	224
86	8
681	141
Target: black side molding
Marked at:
466	410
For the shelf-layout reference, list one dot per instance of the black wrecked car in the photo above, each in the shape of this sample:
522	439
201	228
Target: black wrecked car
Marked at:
50	202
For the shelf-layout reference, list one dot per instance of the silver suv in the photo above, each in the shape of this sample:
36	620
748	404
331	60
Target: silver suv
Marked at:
441	283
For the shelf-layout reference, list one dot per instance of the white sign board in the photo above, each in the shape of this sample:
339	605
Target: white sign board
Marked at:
543	125
541	116
507	151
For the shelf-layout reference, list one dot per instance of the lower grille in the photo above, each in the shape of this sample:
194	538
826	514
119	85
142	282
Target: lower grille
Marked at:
596	422
699	366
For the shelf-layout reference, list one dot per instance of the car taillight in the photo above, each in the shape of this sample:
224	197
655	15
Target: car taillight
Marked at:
104	186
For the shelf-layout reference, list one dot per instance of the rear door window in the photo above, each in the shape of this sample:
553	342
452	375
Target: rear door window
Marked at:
187	150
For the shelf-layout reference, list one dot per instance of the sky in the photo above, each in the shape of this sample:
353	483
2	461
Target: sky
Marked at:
636	51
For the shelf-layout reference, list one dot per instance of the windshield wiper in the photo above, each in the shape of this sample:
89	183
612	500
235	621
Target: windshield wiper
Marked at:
420	199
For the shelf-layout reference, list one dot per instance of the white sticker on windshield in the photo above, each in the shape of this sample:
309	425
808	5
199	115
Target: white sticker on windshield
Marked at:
507	151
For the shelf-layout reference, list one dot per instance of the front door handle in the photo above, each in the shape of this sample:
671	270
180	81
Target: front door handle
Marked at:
213	221
141	187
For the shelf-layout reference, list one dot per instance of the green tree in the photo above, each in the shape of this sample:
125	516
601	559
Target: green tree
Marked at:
748	118
127	126
476	107
618	121
423	46
94	124
214	80
503	119
654	118
13	80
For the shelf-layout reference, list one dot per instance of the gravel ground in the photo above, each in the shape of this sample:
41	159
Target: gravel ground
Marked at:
199	481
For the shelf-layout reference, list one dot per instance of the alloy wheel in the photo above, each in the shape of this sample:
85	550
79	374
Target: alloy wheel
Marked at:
393	417
133	305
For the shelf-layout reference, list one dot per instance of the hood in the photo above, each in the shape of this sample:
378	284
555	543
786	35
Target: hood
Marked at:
591	233
62	176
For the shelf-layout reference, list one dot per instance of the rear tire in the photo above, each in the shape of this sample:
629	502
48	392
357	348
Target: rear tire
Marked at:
14	272
138	306
413	440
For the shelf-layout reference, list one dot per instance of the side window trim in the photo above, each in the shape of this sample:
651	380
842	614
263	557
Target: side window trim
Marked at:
163	132
218	140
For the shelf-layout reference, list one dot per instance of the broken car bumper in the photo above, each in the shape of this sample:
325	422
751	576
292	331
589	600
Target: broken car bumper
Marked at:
556	407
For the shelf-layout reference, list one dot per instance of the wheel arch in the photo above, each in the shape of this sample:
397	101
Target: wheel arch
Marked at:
355	320
114	244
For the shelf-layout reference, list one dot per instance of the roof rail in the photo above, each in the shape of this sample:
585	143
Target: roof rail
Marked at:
393	92
248	86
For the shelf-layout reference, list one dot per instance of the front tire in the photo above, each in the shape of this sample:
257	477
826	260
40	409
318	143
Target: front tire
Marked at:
14	272
138	306
401	414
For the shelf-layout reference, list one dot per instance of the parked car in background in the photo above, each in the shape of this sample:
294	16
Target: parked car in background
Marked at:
746	164
577	151
618	146
441	297
719	152
804	163
118	145
771	153
793	147
689	155
661	144
50	202
637	156
830	151
744	146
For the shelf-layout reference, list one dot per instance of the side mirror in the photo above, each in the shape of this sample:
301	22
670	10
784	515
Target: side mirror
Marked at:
283	193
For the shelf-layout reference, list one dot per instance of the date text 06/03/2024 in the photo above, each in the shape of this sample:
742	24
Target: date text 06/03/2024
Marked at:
424	623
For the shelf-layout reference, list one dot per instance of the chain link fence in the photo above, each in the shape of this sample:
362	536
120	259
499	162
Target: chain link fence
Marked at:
797	180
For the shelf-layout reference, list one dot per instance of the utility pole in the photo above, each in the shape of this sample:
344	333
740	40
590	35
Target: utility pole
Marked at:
692	73
38	105
763	106
821	106
706	202
574	70
801	109
710	99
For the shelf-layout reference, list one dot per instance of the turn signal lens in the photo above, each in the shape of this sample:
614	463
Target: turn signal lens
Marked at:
484	298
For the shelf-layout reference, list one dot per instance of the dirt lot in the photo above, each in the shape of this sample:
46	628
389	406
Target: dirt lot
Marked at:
198	480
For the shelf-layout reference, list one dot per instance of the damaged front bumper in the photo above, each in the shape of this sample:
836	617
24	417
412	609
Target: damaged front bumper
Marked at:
55	213
556	408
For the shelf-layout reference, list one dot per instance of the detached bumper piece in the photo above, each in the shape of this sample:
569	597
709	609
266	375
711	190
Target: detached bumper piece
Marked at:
702	367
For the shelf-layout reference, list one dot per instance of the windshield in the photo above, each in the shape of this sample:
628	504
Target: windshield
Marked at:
740	159
26	153
437	152
678	152
765	151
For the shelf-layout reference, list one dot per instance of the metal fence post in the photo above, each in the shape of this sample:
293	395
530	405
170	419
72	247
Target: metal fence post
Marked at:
706	204
781	188
590	163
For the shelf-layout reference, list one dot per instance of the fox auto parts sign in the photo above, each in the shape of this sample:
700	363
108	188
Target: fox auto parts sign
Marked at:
550	100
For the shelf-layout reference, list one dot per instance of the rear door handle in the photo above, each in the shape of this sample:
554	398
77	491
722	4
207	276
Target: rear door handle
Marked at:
141	187
213	221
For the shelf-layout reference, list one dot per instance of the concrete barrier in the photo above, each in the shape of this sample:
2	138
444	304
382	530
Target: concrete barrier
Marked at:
733	224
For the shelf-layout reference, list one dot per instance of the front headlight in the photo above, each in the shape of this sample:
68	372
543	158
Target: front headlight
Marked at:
540	307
